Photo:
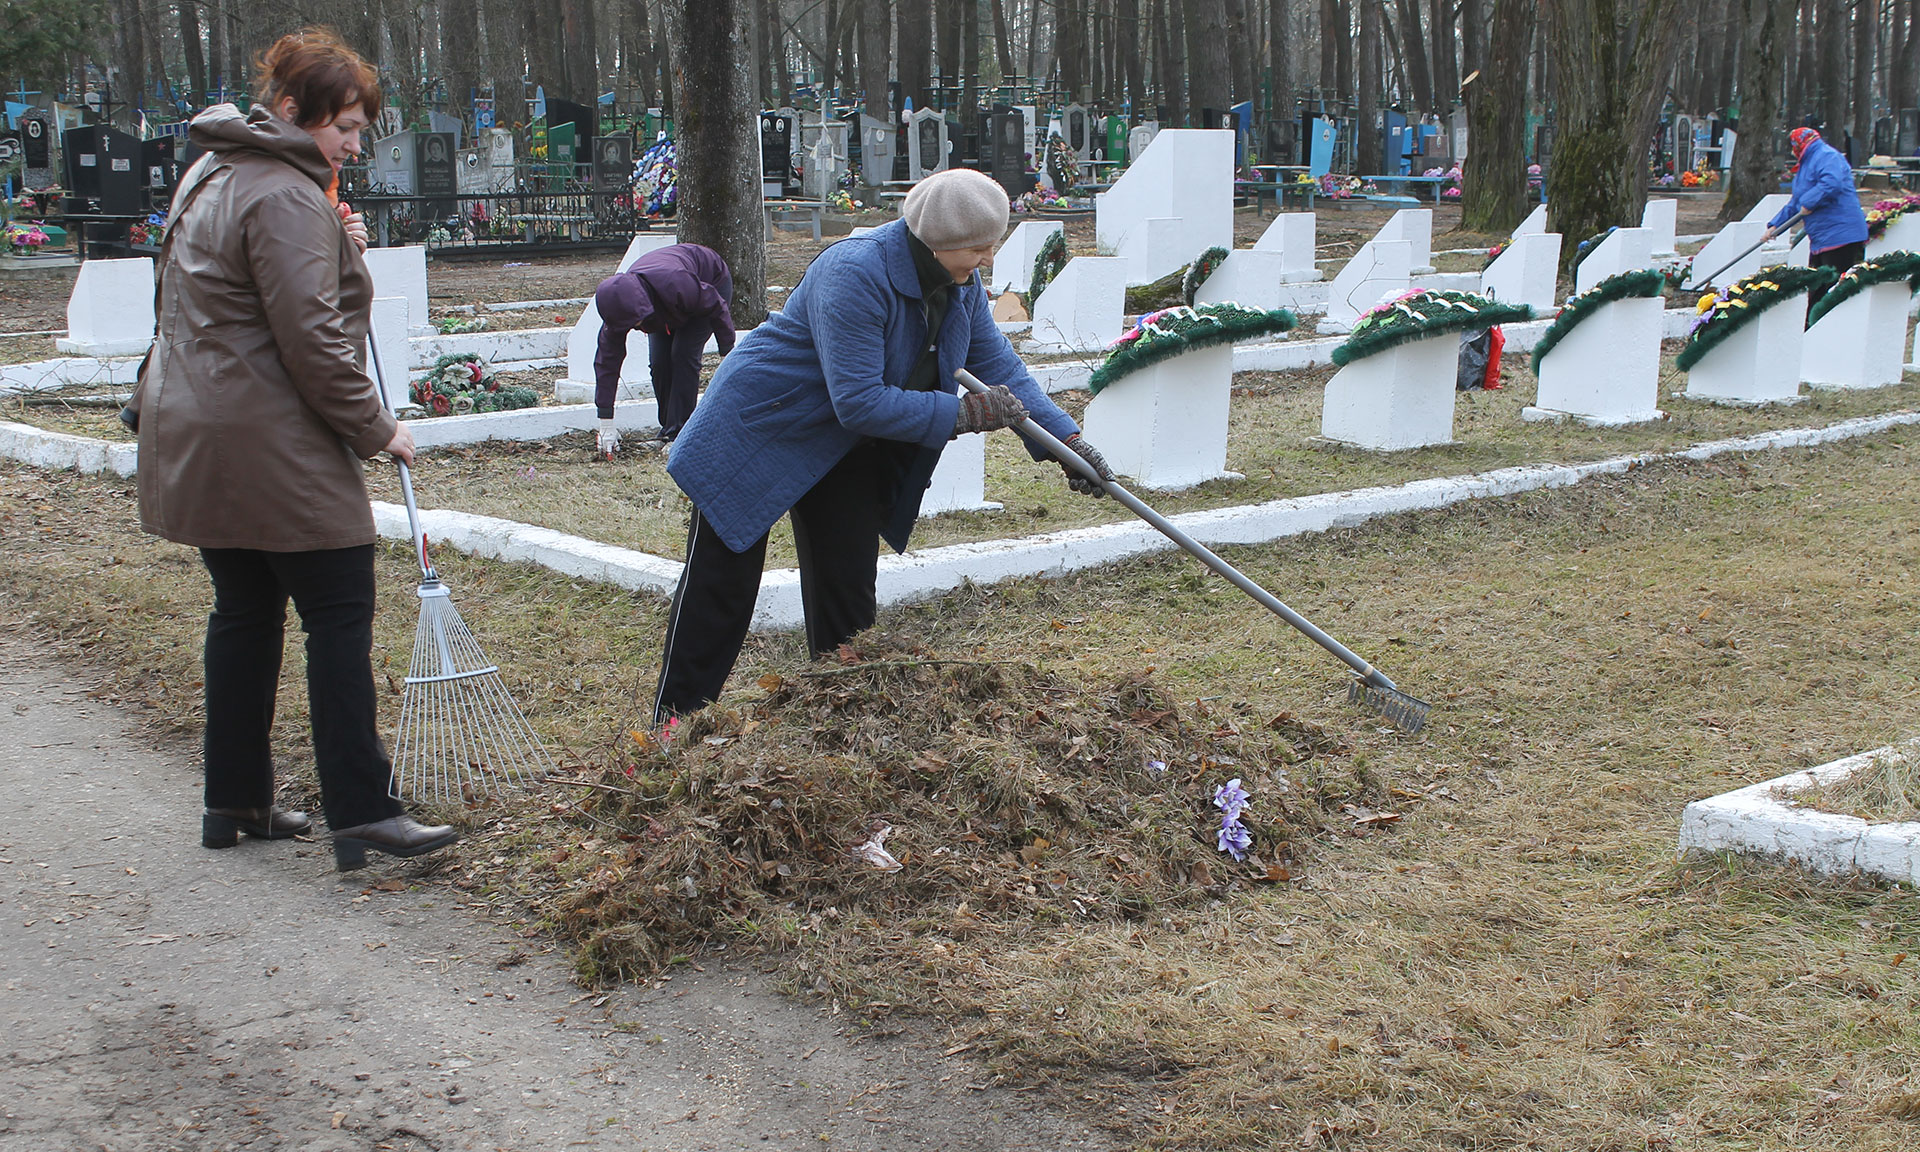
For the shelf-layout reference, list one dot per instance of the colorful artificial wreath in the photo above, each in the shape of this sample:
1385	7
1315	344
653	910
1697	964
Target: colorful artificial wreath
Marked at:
1887	269
1725	312
656	177
1421	313
24	238
1639	283
1200	271
1046	265
1171	331
460	382
1886	212
1063	167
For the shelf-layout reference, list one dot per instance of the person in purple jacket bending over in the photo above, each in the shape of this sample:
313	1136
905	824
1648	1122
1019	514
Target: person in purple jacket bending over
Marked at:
835	411
679	296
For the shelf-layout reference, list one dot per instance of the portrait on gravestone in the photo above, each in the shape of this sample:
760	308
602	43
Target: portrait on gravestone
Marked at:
436	150
929	143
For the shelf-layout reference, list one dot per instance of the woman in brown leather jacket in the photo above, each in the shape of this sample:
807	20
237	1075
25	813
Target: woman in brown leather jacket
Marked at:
254	414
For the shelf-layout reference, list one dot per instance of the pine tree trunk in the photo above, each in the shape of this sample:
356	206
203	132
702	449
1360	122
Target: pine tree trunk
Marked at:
1209	71
1413	44
1344	82
460	32
1239	53
1179	94
1126	34
970	55
913	56
1446	70
719	142
876	58
1866	27
1369	152
1330	37
1002	39
190	47
1473	36
1764	45
1280	57
1832	76
1493	192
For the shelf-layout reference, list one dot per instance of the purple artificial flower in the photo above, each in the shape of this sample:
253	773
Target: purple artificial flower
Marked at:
1234	838
1230	798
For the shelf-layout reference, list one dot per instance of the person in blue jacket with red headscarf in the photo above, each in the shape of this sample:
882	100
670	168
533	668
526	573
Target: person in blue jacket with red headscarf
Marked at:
835	410
1823	185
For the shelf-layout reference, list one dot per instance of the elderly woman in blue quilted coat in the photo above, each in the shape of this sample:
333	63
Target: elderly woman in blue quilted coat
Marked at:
835	411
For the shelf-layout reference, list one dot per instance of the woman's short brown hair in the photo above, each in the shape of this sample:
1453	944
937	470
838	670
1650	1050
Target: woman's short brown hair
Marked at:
322	75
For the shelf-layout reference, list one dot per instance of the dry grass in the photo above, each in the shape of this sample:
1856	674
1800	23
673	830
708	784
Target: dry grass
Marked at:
1518	961
1887	790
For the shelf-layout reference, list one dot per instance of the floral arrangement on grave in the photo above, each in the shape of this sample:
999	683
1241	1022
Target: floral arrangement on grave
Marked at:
1887	269
148	231
1722	313
1534	178
1041	198
1421	313
24	238
1063	167
1885	212
656	178
461	325
1339	187
1171	331
1046	265
839	200
1200	271
1701	176
1451	177
1636	284
459	383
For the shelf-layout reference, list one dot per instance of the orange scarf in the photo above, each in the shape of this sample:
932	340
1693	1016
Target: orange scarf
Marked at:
333	189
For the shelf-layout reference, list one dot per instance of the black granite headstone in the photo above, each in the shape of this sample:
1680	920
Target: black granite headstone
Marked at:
437	176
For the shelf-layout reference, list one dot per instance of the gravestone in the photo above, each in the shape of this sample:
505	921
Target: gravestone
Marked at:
1415	226
1009	163
926	144
1760	363
1082	309
441	122
1377	271
612	163
1397	399
1902	235
1139	138
1607	370
36	148
958	483
1624	250
1185	176
1861	342
1535	222
1076	126
402	271
110	311
1165	425
1768	207
876	151
1527	272
387	330
776	155
437	177
636	382
104	170
160	168
1029	131
1726	244
1115	129
1291	236
393	163
1658	218
1247	276
1013	263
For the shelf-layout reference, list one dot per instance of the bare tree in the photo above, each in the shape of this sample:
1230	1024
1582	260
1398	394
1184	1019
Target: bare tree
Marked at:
1832	74
1866	26
1209	72
1493	196
1763	49
1368	148
718	141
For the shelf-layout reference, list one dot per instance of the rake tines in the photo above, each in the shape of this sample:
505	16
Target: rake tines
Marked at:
461	735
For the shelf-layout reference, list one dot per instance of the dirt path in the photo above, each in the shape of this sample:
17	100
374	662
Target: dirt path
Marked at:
160	996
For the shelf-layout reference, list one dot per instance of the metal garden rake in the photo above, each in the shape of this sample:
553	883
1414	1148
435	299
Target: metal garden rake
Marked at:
461	735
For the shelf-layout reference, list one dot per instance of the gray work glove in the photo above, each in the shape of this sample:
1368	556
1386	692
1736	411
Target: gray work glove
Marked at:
1092	456
997	407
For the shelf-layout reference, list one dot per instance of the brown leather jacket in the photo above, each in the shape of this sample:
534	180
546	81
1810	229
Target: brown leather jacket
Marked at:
252	405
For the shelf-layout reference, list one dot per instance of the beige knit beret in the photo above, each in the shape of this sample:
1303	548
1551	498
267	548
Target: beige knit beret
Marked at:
958	208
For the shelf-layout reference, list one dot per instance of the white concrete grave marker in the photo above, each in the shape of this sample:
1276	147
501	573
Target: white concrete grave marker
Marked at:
1013	262
1801	254
1624	250
636	379
1139	138
1861	342
1399	398
876	151
402	271
1247	276
388	331
1185	176
110	311
1659	218
1607	370
1082	310
1291	235
1760	363
928	127
1903	235
1415	226
1377	271
1165	425
1768	207
1527	272
1728	243
1536	221
959	481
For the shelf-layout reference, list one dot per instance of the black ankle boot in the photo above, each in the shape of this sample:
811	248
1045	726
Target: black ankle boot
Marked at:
221	827
396	836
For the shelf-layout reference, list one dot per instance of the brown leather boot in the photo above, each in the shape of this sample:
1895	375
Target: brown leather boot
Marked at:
396	836
221	827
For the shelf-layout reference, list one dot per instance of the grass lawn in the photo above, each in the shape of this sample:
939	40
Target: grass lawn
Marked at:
1477	937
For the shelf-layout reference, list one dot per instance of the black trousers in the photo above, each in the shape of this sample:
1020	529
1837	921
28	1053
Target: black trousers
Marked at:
1839	259
836	531
333	592
674	361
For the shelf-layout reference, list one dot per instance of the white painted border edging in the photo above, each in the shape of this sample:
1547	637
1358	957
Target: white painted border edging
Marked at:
60	450
1756	820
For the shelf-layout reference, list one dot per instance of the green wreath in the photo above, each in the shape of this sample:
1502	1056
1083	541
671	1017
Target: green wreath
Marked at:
1423	313
1642	282
1200	271
1897	265
1046	265
462	382
1725	312
1171	331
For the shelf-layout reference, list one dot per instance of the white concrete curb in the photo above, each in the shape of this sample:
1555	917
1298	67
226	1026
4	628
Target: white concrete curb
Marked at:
44	449
528	423
510	540
67	371
1759	820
